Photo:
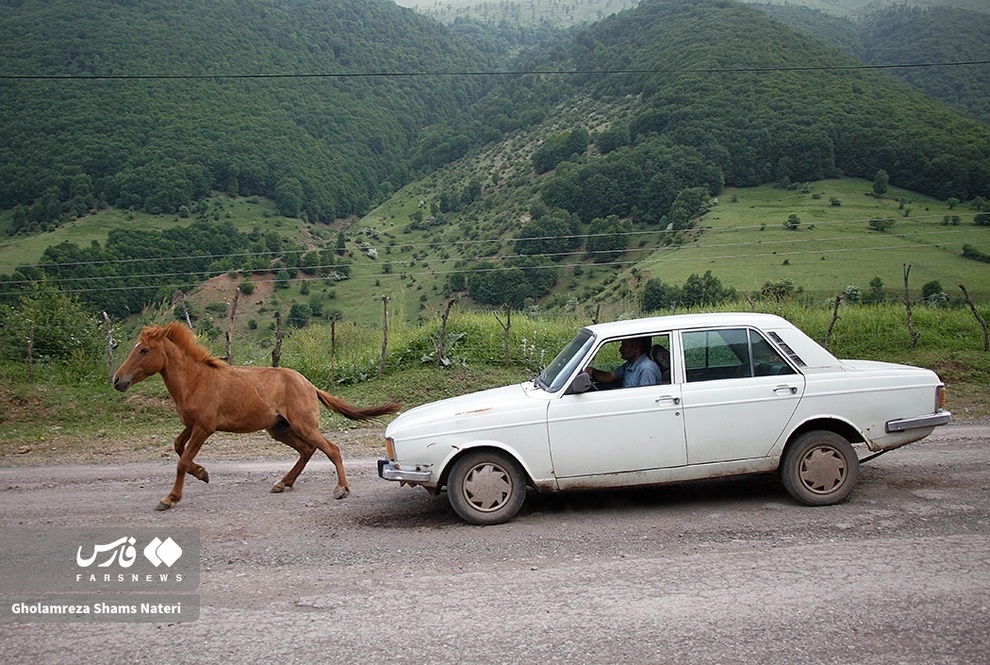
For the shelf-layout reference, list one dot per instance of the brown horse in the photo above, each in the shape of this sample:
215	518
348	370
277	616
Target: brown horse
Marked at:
212	396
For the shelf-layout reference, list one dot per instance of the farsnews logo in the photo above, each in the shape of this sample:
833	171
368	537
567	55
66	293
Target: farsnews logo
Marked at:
122	552
117	561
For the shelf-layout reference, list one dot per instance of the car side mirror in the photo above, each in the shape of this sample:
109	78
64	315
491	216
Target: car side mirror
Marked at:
582	383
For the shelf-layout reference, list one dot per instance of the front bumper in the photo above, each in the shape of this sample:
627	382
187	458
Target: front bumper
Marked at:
928	420
388	470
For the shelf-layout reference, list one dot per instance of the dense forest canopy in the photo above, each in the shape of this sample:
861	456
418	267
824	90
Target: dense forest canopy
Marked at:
322	147
900	34
764	103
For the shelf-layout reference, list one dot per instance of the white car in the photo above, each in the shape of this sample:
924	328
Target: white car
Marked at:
739	393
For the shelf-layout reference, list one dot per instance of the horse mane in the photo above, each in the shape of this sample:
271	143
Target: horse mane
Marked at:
183	338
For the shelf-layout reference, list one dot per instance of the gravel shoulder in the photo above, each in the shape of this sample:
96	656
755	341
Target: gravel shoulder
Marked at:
729	571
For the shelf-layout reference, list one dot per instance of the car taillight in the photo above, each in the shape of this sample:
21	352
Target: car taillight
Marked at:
940	398
390	448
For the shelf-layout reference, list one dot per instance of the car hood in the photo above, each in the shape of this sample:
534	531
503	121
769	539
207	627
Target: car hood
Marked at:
466	411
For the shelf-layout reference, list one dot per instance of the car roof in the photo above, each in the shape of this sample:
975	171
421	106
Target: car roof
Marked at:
798	344
683	321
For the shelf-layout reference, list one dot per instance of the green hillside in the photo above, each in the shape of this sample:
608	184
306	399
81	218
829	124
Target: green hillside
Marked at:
904	34
574	182
149	105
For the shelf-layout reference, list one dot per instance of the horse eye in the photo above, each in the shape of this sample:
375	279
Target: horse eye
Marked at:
144	350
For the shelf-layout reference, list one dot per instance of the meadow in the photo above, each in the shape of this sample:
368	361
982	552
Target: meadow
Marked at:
71	404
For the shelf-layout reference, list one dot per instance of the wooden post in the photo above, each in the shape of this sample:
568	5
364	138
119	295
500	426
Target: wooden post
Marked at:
333	349
831	325
30	355
980	319
907	305
442	339
230	324
110	346
506	327
277	351
381	365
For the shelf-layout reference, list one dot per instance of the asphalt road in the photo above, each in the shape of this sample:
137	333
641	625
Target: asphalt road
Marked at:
717	572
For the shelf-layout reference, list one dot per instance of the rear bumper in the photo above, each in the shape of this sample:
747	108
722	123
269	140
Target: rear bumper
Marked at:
388	470
918	422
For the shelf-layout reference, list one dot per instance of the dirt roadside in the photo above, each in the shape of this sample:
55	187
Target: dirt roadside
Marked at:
716	572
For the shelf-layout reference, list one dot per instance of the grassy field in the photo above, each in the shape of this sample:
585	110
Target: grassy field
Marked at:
64	410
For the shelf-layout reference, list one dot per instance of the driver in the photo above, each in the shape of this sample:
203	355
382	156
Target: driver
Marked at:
638	370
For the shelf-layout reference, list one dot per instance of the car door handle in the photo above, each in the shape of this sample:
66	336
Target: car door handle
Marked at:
668	398
789	390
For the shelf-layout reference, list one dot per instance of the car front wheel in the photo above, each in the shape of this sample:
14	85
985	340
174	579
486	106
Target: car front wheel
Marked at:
820	468
486	487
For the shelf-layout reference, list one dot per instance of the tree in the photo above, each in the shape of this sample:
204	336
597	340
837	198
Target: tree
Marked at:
705	290
608	238
657	295
881	183
793	222
881	225
877	294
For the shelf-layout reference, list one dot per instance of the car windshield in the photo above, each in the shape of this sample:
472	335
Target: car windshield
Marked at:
557	372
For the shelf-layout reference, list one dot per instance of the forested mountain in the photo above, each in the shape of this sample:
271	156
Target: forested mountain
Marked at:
902	34
150	105
630	124
757	100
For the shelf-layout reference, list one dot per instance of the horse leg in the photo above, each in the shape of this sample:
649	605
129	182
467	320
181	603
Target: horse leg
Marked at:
285	435
186	465
313	437
180	446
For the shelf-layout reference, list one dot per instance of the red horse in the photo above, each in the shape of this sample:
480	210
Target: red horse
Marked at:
212	396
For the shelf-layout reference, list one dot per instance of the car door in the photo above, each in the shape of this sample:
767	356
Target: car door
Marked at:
738	394
612	432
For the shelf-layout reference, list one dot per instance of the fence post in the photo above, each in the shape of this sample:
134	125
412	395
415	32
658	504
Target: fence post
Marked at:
505	331
381	365
230	324
980	319
442	340
333	349
831	325
907	305
277	351
110	346
30	355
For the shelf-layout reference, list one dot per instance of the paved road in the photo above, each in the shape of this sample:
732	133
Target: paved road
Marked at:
722	572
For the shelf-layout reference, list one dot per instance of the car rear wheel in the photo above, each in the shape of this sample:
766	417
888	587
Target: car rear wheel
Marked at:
486	487
820	468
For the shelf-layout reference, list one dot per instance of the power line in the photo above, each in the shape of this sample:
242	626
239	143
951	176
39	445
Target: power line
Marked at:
481	73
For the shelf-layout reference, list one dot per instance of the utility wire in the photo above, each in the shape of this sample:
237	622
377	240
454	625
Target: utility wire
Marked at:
502	73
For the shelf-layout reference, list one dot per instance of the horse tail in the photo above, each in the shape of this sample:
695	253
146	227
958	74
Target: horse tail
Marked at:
352	412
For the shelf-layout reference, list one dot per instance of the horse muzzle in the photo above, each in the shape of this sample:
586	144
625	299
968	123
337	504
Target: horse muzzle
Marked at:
121	383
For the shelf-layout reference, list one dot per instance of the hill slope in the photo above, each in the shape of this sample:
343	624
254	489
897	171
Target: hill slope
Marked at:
139	103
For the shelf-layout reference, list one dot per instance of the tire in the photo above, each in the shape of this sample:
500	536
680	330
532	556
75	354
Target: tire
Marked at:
819	468
486	487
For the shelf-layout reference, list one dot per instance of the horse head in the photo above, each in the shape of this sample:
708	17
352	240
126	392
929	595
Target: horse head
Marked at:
145	359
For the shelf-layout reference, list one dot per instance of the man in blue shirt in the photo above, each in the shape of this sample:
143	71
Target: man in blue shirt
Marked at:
638	370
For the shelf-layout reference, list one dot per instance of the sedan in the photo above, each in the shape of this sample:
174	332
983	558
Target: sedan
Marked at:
727	394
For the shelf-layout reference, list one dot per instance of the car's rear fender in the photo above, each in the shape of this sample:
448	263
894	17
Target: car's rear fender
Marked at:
842	427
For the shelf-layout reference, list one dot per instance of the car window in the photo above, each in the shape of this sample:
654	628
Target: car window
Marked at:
716	354
552	378
731	353
766	360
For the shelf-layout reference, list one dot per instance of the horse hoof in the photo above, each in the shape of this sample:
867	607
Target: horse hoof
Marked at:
278	487
205	477
340	492
162	506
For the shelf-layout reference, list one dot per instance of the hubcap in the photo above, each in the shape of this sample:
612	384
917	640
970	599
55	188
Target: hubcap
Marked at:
823	470
487	487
